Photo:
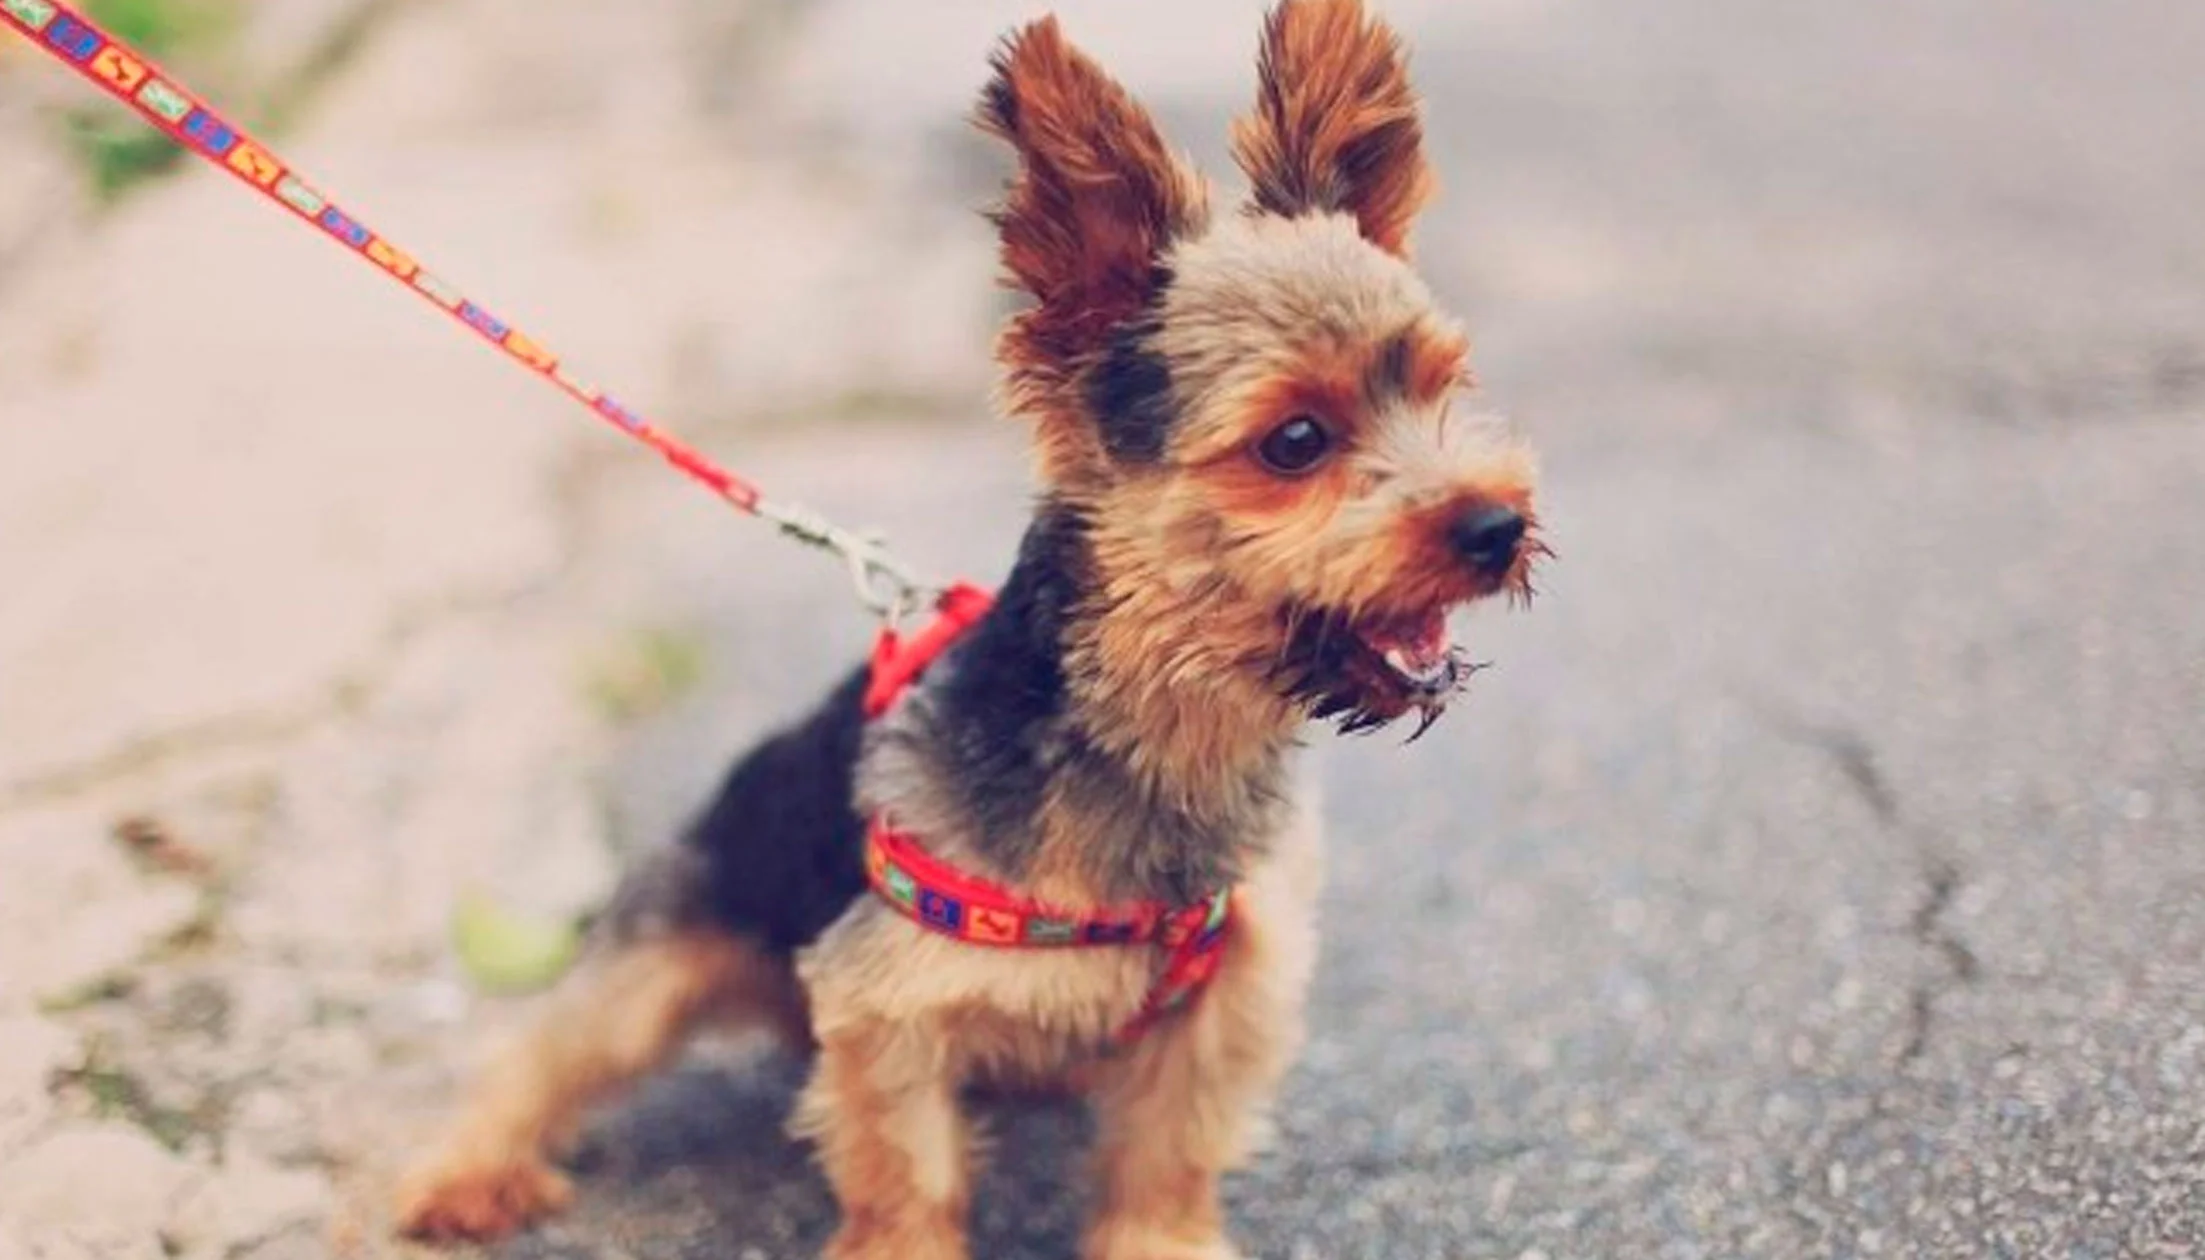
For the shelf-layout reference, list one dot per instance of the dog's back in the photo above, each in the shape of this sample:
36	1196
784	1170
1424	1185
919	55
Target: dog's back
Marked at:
778	855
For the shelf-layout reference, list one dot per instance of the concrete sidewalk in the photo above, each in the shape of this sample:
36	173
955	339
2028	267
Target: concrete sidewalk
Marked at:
304	601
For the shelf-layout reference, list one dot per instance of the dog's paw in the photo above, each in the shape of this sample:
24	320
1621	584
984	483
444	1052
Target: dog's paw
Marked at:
1126	1244
458	1201
852	1243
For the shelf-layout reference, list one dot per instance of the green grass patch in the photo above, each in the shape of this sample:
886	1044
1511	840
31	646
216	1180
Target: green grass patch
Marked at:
116	151
644	673
115	1093
155	26
114	987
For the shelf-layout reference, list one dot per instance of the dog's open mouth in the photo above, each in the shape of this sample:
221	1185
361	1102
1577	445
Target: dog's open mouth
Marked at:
1367	673
1417	650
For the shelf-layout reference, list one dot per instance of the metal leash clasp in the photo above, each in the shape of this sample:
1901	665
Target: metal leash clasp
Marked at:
882	583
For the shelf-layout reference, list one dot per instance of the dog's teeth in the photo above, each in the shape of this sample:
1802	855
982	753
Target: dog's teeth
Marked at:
1428	672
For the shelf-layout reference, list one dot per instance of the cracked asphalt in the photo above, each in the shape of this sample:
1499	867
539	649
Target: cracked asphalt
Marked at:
1819	871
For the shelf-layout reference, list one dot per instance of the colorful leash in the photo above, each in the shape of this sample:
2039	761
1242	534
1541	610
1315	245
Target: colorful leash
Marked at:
936	895
883	584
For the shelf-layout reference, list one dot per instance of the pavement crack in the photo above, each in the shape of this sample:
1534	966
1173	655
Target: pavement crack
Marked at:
571	485
1950	963
1855	758
1954	965
1943	882
267	728
230	733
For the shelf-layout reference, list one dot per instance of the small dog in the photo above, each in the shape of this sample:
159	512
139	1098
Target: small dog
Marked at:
1259	507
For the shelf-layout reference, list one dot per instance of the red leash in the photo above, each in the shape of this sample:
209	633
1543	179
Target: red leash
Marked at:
934	894
132	78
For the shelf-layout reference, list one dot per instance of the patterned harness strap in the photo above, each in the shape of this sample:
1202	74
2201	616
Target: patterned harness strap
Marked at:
953	903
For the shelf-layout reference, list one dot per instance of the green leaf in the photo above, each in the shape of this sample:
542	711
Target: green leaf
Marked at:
505	951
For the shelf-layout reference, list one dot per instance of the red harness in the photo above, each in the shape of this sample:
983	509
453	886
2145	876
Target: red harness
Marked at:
945	900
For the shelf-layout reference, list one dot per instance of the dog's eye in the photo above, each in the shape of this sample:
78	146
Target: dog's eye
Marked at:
1295	447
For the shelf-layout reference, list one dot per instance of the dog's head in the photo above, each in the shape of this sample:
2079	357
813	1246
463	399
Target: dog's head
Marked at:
1254	413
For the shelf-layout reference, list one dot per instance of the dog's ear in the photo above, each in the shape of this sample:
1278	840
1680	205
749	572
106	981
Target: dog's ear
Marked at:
1097	199
1335	126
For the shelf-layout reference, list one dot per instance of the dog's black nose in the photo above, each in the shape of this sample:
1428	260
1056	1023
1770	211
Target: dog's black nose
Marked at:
1487	537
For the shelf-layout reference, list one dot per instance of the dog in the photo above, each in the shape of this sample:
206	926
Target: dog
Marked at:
1259	504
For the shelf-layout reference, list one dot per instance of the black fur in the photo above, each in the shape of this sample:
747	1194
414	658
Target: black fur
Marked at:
1130	394
1328	668
778	856
782	846
1000	725
989	725
1388	378
780	852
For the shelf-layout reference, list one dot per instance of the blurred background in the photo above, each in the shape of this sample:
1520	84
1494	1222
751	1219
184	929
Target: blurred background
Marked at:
1817	873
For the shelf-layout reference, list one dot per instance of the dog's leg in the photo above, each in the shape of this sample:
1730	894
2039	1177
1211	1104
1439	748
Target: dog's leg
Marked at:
615	1019
882	1107
1189	1101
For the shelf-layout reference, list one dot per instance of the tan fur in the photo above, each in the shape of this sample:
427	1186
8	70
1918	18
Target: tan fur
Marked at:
904	1017
1265	318
1268	318
1163	666
882	1108
611	1022
1436	362
1190	1102
1258	303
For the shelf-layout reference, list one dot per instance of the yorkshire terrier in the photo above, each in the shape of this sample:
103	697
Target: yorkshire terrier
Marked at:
1260	505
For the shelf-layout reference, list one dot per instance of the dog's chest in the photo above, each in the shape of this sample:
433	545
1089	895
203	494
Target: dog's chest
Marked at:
1029	1010
1055	822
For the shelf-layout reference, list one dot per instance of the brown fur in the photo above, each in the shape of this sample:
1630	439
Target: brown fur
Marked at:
1335	126
1422	364
1268	317
1174	573
904	1015
1189	1104
614	1020
883	1109
1097	198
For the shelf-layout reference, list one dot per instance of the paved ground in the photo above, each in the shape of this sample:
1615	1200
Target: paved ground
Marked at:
1819	872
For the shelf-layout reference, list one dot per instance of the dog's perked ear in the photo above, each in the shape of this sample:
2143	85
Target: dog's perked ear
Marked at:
1097	200
1336	126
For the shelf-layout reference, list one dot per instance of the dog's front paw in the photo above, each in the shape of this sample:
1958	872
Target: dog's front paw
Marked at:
479	1201
1139	1244
887	1242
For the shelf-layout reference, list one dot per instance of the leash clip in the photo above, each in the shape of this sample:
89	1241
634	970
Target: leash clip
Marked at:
882	583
